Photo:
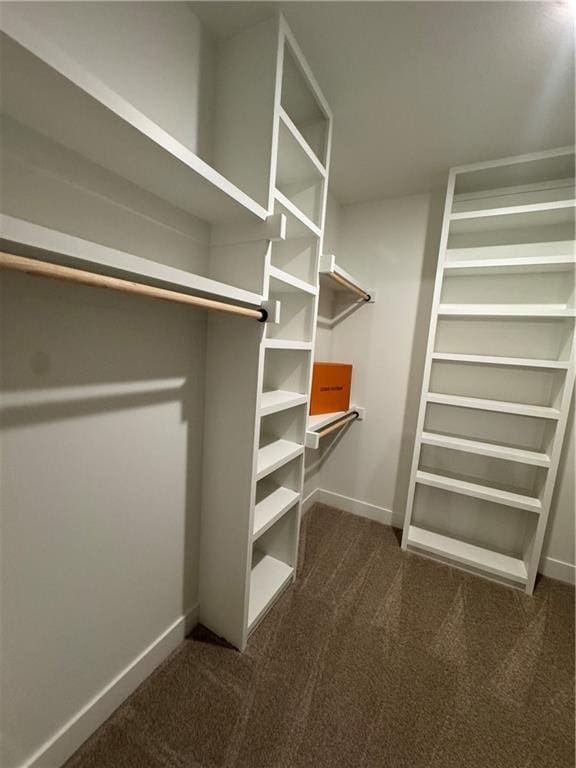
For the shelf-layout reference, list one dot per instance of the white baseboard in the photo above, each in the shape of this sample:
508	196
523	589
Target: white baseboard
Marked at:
554	569
310	500
54	752
558	569
357	507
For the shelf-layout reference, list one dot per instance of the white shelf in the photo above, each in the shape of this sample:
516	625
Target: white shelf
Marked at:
267	579
499	406
307	227
305	346
517	362
506	310
26	239
66	103
517	216
318	422
330	271
491	562
280	400
274	455
290	282
530	264
272	508
479	491
520	455
296	161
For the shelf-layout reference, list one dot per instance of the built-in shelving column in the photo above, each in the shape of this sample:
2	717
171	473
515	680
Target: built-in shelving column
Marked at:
499	371
258	382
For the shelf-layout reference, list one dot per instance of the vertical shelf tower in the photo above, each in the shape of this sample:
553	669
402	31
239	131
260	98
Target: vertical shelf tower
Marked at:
499	370
258	379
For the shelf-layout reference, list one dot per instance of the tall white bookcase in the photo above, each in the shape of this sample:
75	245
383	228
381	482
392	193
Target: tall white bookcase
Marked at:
259	378
499	371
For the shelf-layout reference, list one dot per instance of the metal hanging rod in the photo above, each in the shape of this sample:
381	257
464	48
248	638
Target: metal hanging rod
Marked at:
69	274
351	287
333	427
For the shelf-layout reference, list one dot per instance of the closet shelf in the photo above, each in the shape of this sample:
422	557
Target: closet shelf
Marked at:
517	216
296	161
530	264
26	239
317	423
61	100
302	226
280	400
479	491
498	406
272	508
305	346
274	455
495	563
291	283
339	280
268	578
481	448
517	362
506	310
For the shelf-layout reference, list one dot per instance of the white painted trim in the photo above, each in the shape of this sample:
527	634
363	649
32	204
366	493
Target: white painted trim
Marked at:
360	508
558	569
59	747
310	500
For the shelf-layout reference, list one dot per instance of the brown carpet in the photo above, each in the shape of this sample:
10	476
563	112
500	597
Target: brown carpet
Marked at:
373	659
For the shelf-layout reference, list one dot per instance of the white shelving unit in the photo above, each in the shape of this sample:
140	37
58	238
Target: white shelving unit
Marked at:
254	455
499	370
247	226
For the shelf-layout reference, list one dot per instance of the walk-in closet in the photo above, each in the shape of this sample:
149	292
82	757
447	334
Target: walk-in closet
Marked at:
287	363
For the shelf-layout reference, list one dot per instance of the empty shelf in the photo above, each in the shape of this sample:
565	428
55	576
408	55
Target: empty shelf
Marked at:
517	217
287	344
27	239
296	161
275	455
308	226
291	283
271	509
499	406
61	100
479	491
280	400
518	362
510	265
495	450
267	579
495	563
321	420
507	310
339	280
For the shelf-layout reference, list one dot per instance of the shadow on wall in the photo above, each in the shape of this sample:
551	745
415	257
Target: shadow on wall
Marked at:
101	415
418	356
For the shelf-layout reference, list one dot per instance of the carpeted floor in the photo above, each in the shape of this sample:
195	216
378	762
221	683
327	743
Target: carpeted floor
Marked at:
373	659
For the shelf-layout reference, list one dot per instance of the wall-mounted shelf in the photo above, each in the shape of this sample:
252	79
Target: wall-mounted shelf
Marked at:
515	362
44	89
498	406
506	310
274	455
27	239
279	400
318	423
339	280
271	508
483	448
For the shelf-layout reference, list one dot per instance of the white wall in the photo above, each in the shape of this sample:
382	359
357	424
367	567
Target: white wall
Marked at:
392	246
155	54
101	405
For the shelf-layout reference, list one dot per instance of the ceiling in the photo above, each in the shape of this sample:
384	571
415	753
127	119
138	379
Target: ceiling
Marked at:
417	87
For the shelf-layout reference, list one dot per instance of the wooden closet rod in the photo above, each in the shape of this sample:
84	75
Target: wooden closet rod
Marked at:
350	286
333	427
47	269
